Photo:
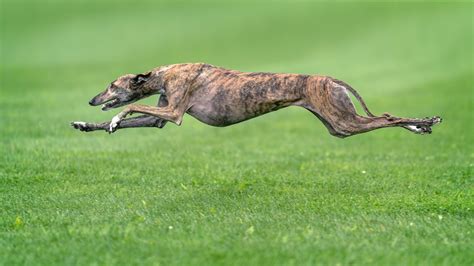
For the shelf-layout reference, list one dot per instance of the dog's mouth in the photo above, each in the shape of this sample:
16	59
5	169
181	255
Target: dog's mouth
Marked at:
111	104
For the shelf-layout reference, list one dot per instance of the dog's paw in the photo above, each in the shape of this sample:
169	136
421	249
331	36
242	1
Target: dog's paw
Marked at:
437	120
82	126
431	121
114	124
420	130
425	130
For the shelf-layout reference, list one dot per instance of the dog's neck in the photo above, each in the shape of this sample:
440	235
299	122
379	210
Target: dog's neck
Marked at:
155	85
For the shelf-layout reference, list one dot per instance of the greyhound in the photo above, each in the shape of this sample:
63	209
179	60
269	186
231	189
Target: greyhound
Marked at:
221	97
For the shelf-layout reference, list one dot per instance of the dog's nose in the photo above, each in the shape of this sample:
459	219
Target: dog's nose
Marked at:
91	102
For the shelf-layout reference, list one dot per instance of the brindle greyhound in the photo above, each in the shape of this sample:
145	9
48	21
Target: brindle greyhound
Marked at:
221	97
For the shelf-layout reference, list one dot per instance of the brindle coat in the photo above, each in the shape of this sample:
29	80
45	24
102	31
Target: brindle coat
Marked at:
222	97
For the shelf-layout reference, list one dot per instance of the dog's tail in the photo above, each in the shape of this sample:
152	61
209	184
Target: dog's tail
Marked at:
356	94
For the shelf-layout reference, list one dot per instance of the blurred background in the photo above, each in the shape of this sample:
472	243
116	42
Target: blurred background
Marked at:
68	189
58	54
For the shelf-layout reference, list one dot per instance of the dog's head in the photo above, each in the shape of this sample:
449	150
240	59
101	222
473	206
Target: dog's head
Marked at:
124	90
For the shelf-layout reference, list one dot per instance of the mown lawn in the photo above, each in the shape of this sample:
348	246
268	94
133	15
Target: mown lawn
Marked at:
276	190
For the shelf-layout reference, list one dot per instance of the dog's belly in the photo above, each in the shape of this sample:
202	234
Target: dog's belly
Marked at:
211	117
224	98
224	108
226	115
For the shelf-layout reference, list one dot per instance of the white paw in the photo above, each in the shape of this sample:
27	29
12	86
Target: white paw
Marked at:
420	130
415	129
79	124
82	126
114	124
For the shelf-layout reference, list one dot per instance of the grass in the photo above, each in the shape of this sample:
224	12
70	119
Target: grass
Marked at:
276	190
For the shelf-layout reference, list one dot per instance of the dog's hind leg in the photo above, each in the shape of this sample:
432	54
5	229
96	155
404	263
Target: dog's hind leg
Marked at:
362	124
334	107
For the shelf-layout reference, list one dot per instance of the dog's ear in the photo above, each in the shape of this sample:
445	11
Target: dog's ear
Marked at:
139	79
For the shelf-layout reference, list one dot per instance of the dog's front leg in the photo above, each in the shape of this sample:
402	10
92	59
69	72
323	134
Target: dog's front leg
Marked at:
167	113
139	121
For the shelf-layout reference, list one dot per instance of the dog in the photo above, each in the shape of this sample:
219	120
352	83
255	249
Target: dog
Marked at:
222	97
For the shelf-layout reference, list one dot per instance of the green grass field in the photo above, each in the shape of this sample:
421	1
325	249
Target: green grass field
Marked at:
275	190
